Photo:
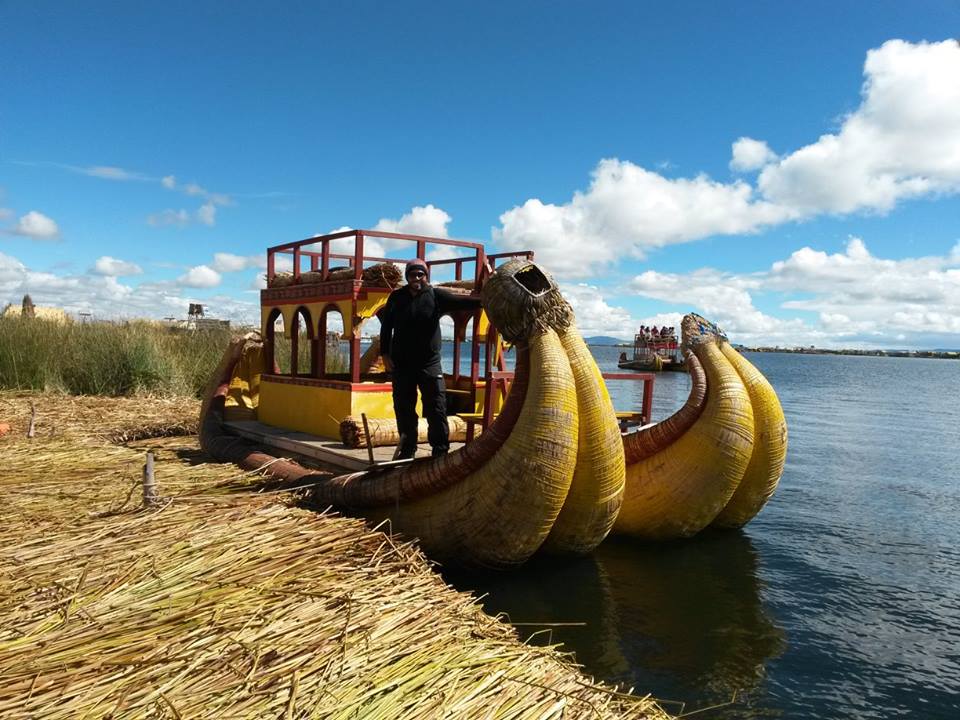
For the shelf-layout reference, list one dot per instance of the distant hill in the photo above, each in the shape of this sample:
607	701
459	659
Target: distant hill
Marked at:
604	340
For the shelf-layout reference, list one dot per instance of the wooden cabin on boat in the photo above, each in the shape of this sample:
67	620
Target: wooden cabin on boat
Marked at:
335	281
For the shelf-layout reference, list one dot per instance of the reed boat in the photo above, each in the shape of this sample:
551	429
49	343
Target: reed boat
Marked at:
546	464
654	350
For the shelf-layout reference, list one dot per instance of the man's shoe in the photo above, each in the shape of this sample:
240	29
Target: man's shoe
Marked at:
437	452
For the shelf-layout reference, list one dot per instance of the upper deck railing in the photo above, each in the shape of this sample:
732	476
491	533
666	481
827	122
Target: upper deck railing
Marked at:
303	252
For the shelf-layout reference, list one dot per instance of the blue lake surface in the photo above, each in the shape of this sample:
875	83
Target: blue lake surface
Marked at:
840	600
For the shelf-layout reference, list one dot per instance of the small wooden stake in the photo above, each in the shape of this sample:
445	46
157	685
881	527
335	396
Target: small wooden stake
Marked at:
366	431
32	429
149	483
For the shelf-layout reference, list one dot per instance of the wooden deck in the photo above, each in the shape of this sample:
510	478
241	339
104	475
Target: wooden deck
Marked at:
325	450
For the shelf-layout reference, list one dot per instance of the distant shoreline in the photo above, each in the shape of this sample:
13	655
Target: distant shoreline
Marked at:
935	354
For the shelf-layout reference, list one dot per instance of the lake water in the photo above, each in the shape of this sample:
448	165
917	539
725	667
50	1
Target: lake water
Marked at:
840	600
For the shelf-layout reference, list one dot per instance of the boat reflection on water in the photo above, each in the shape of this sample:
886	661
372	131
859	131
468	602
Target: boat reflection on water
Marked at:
683	621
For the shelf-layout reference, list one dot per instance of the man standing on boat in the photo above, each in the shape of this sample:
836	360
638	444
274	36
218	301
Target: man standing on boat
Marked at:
410	346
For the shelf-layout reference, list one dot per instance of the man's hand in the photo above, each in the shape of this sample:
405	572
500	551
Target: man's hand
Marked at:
387	363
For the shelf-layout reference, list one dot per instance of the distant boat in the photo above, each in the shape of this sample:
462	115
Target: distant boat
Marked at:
654	350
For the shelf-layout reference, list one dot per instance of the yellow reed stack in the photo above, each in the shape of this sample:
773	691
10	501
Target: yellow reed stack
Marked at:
769	449
679	490
596	491
501	514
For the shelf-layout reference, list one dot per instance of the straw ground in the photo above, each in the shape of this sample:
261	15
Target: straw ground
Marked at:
227	601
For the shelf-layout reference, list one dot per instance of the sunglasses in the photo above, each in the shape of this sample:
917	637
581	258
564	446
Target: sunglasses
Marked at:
416	273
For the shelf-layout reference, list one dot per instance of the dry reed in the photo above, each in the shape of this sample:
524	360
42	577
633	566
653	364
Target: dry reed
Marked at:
232	605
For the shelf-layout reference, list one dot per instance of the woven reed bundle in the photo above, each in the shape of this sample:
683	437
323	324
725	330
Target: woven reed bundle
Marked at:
681	489
596	490
522	299
239	606
644	443
427	476
385	275
384	433
695	330
762	475
499	515
458	284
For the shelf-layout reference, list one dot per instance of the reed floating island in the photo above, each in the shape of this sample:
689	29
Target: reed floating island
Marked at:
548	465
224	601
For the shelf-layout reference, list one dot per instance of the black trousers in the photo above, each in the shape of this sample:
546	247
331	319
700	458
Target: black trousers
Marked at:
434	402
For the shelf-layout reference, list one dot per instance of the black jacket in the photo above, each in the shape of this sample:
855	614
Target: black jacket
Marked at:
410	326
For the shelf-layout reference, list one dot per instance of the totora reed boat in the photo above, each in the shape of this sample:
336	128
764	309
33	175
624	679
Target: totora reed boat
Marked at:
546	464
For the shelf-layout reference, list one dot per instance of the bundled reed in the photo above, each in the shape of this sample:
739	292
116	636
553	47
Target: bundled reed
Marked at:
386	275
458	284
384	433
522	300
235	605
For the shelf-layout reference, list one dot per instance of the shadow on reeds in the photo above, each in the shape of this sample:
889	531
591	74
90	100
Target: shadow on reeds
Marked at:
683	620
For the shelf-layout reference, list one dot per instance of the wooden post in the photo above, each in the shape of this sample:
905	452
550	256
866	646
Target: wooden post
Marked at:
32	428
366	431
149	483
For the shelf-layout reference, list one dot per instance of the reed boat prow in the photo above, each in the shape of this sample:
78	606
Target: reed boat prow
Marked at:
546	466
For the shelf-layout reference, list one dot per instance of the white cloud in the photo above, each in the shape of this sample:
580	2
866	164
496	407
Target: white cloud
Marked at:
750	154
228	262
107	265
108	172
201	276
107	298
421	220
207	214
854	299
169	182
180	218
594	315
36	225
626	211
6	213
903	141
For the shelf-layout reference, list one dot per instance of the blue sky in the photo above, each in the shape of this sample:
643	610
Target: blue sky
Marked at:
790	171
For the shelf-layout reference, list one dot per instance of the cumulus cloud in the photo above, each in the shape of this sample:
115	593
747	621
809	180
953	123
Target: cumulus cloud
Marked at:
113	267
903	141
629	210
228	262
37	226
207	214
909	296
201	276
421	220
594	316
750	154
105	297
854	299
169	182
